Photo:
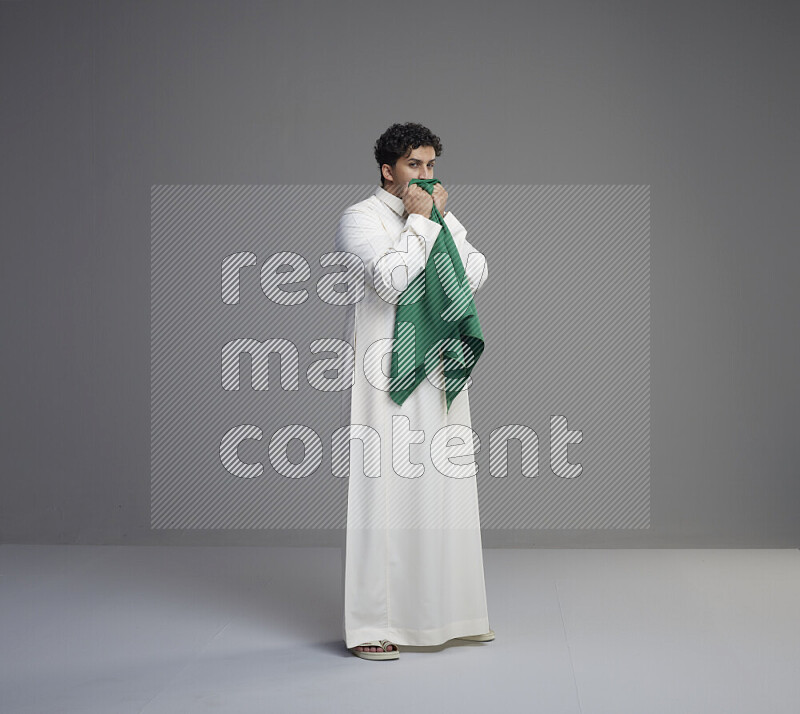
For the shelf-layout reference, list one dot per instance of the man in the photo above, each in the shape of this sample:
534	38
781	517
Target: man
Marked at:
413	570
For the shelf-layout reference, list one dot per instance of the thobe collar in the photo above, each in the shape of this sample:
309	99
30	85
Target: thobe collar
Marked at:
394	202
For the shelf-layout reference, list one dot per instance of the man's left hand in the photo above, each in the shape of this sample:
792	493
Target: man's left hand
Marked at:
439	197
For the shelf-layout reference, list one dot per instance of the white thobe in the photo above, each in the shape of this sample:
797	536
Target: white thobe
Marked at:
413	563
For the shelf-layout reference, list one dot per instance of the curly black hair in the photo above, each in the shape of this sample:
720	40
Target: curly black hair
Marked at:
400	140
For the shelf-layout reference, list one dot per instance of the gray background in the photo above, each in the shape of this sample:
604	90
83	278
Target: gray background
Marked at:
102	100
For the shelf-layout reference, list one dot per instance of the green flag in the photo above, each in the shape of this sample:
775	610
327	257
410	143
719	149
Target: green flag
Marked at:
436	320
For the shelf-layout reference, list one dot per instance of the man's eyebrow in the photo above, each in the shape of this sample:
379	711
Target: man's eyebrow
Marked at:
414	158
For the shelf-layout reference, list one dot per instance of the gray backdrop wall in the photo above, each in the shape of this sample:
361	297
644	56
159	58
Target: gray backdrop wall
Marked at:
696	102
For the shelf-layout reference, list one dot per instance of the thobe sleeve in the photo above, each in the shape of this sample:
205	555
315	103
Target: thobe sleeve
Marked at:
363	234
475	266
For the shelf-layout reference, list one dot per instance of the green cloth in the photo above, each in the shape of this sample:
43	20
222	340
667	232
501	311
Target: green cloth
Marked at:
436	305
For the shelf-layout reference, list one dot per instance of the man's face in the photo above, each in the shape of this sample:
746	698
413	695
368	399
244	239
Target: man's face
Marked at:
417	165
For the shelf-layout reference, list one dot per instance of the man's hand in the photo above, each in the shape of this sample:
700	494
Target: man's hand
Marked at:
440	197
417	200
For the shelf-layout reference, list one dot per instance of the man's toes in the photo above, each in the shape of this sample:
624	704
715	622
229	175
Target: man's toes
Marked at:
365	648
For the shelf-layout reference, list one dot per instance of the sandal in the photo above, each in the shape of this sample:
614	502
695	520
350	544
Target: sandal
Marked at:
393	654
488	637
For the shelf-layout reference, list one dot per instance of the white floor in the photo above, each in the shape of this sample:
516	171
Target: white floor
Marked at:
113	630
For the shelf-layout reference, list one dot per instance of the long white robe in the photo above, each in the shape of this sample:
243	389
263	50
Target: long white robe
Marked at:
413	570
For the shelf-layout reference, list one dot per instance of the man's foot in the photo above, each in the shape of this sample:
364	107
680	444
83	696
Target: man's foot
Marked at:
376	649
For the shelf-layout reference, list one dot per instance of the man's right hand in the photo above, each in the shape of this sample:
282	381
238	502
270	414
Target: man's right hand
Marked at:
417	200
